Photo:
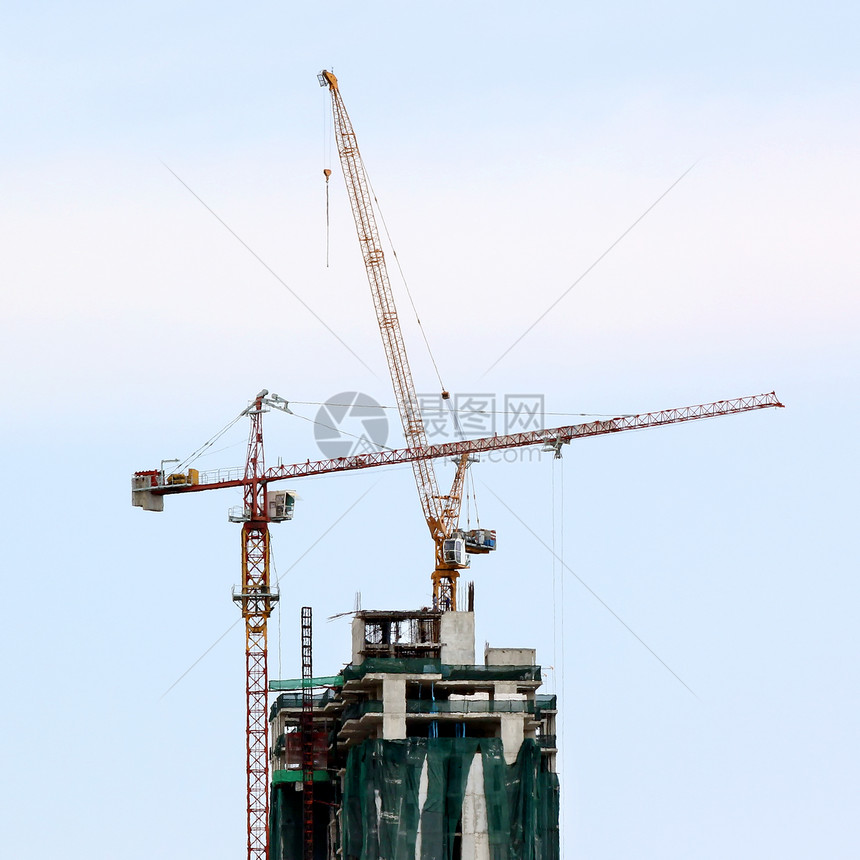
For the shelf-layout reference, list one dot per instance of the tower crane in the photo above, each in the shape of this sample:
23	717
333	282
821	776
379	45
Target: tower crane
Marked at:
255	597
442	513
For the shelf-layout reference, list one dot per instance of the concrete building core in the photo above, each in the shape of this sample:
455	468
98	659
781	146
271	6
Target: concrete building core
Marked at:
419	752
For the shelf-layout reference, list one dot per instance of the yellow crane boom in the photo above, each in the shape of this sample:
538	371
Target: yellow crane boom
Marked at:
441	512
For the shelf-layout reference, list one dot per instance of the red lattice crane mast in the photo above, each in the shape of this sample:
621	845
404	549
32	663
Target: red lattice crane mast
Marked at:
255	597
256	601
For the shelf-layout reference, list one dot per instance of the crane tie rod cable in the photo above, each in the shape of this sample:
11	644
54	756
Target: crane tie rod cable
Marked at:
206	445
405	282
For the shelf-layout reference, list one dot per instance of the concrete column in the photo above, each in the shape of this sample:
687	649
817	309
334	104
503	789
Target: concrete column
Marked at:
457	632
357	641
393	708
476	836
512	735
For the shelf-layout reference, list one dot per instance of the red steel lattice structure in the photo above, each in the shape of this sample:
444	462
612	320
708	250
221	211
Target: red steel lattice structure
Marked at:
307	733
224	478
256	601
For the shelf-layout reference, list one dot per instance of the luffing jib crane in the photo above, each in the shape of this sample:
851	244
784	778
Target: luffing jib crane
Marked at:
442	513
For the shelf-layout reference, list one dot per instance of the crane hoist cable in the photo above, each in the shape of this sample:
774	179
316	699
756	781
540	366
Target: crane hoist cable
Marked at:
471	497
328	133
270	270
558	571
474	499
327	174
276	577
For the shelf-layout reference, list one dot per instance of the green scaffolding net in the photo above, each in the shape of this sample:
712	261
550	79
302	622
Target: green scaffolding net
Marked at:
286	814
432	666
409	799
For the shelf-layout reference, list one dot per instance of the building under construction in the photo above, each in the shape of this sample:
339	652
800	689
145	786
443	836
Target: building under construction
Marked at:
417	750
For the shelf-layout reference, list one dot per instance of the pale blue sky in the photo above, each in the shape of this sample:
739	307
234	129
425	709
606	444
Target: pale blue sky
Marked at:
510	146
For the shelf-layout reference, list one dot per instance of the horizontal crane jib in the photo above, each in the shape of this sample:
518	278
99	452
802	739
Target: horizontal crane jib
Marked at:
224	479
553	435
